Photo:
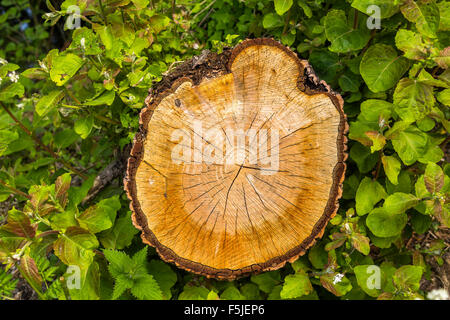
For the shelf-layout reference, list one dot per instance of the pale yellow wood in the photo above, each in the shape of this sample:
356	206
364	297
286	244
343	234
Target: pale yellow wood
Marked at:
230	216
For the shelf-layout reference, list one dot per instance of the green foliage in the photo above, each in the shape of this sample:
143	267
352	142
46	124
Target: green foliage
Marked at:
69	104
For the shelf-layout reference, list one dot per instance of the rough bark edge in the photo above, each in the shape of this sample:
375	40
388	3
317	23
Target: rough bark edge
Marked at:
308	83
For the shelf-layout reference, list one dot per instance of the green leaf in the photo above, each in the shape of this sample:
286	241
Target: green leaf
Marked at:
384	224
444	97
392	168
400	202
411	44
433	178
90	284
140	4
296	285
19	224
381	67
369	279
194	293
364	159
377	139
266	281
6	138
407	278
100	216
231	293
410	144
120	262
424	13
107	98
342	35
368	194
360	243
413	99
318	256
306	9
83	126
14	89
146	288
121	284
349	82
62	184
444	9
28	269
282	6
387	7
164	275
48	102
272	20
65	67
75	246
85	39
334	285
121	235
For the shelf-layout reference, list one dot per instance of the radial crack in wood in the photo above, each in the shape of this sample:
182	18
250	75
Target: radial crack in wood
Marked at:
238	170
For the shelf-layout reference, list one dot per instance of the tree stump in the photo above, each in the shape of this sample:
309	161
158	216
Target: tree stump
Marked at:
239	162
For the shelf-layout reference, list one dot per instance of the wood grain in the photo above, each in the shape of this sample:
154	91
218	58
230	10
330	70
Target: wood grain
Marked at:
238	216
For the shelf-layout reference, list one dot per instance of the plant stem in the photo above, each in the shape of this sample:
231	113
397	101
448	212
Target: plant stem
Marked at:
43	146
17	191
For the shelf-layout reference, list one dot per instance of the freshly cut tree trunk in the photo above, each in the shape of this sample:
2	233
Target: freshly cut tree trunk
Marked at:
239	162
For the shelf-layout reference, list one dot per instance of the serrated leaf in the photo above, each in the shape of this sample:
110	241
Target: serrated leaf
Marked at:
164	275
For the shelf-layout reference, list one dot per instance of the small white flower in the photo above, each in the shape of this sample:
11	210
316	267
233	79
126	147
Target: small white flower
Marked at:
3	61
16	256
438	294
83	43
13	76
195	46
347	228
131	98
20	105
382	123
338	278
